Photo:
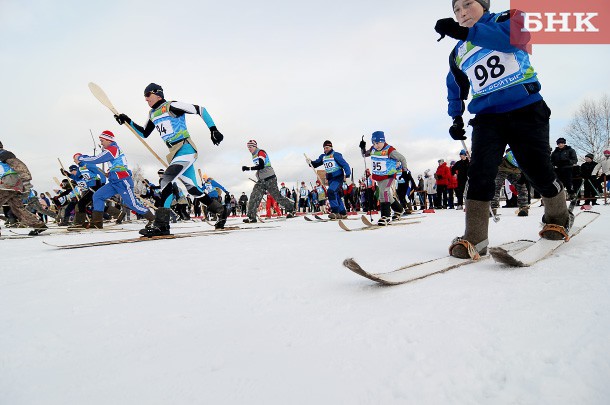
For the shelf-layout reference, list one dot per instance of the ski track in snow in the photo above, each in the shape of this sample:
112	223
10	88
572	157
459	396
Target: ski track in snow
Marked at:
271	317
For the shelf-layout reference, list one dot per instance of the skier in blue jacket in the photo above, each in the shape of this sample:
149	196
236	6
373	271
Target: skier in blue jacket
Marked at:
508	109
337	171
119	181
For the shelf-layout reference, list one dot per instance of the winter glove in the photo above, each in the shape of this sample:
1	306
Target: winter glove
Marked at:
245	168
457	129
362	144
215	135
448	26
122	119
308	160
348	182
63	172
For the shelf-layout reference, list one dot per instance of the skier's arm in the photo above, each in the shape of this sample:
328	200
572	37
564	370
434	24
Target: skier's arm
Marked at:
399	157
218	185
105	156
495	34
318	162
458	87
179	108
344	165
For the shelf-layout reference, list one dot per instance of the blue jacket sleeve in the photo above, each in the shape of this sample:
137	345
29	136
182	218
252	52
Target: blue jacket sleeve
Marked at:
216	184
341	162
458	87
492	33
318	162
103	157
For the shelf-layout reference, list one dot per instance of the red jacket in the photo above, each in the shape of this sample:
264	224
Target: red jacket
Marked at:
443	174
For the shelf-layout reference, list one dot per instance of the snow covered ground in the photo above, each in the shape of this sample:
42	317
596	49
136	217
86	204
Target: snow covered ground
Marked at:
271	317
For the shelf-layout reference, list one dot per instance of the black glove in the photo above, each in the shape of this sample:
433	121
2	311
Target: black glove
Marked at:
245	168
362	145
122	118
448	26
216	136
63	172
457	129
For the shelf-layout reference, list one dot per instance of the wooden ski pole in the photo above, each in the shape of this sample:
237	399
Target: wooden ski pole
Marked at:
69	182
103	98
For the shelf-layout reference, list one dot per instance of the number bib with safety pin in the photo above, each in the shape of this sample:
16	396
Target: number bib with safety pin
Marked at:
490	71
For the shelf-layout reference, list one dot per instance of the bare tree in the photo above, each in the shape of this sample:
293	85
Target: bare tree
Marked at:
589	130
138	178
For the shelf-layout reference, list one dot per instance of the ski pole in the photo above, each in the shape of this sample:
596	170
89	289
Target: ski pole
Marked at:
366	186
103	98
69	182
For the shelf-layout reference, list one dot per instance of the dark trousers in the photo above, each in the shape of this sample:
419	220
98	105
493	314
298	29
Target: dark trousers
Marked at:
526	131
564	174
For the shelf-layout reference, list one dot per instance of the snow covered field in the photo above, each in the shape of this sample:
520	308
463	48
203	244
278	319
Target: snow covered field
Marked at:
271	317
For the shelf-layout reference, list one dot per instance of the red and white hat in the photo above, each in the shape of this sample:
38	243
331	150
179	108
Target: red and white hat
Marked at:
252	142
607	152
107	135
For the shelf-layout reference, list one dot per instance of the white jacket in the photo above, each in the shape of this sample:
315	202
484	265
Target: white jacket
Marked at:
430	185
604	166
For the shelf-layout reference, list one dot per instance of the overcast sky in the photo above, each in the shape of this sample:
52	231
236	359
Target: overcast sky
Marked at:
288	74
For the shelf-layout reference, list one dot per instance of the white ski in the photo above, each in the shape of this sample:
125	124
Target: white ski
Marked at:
417	271
543	247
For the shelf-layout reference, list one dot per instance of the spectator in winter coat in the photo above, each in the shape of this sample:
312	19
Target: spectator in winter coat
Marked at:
243	203
603	167
431	188
451	185
591	183
461	169
442	175
563	159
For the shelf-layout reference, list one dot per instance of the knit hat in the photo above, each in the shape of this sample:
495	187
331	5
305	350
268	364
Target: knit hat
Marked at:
378	136
441	161
327	143
463	152
484	3
154	89
561	140
161	171
72	167
589	155
252	142
607	152
107	135
76	155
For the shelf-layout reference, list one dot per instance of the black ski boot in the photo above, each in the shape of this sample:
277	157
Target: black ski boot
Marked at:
160	227
386	213
398	210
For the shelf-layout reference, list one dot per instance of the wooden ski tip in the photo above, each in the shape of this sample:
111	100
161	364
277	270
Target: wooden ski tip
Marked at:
351	264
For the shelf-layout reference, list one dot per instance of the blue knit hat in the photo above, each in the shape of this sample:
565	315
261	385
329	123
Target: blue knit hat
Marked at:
463	152
378	136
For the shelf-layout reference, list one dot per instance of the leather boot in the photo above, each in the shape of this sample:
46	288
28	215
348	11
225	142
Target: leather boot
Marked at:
80	221
160	226
557	219
150	217
113	211
474	242
97	220
219	209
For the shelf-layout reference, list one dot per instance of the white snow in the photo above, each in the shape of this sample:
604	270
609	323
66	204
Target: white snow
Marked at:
271	317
